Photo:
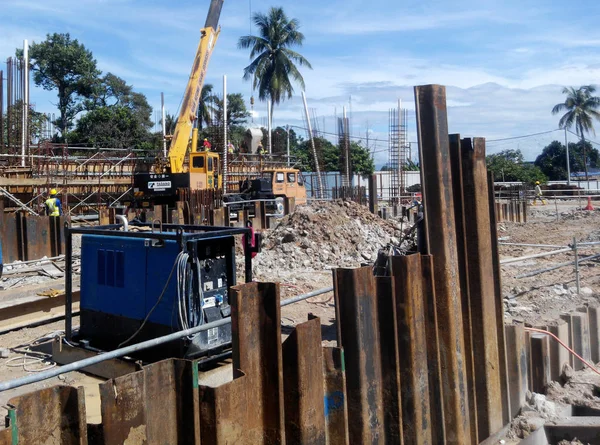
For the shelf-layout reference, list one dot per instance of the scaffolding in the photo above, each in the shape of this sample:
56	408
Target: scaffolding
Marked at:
399	149
344	145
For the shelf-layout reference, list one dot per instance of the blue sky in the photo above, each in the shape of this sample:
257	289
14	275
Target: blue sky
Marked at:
504	63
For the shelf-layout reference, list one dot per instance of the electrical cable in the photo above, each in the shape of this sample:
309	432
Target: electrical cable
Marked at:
190	295
541	331
153	307
523	136
30	357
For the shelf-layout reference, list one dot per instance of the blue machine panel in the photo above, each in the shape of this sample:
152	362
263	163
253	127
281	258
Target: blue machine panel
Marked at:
122	279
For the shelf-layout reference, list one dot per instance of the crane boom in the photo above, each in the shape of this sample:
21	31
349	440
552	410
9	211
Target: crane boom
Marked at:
193	91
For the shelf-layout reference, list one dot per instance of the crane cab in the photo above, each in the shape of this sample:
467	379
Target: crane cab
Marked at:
205	171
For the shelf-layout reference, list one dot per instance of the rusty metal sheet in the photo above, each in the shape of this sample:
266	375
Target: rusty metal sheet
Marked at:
507	414
357	324
336	406
390	363
155	405
438	430
57	238
224	413
539	362
517	365
488	391
37	236
432	129
461	244
52	416
12	238
249	410
169	403
123	409
412	346
6	437
217	217
303	385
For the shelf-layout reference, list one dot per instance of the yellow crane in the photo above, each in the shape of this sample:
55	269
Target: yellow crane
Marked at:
169	175
193	91
203	171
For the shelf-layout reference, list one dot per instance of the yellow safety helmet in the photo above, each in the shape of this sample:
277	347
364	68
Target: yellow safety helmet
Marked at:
53	192
205	139
537	182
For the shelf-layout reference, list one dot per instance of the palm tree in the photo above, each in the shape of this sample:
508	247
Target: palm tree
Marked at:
581	107
273	67
205	107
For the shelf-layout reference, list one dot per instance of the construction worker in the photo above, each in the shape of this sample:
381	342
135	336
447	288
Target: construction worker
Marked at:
206	145
538	194
261	150
230	148
53	204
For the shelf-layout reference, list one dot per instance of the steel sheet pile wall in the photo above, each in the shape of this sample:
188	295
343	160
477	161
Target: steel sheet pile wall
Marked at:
460	235
511	211
26	237
421	357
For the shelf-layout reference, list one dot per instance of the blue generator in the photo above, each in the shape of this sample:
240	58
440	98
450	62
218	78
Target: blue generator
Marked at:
138	285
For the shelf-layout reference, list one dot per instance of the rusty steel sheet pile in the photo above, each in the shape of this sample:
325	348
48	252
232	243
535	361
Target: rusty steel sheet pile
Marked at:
27	237
420	357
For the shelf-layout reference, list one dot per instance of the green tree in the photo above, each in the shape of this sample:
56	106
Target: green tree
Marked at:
362	163
553	159
508	166
205	107
115	126
237	113
117	117
581	108
274	66
62	64
14	114
330	159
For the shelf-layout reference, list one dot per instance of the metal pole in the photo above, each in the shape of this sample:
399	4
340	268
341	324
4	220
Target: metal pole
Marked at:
25	100
538	255
544	246
568	163
68	282
75	366
164	122
225	144
576	263
269	123
557	266
314	150
287	127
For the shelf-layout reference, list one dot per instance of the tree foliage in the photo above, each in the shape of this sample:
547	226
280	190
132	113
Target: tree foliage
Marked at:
362	163
508	166
581	108
14	115
63	64
553	159
273	68
117	117
237	113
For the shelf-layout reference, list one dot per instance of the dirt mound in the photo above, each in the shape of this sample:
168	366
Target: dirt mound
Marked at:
326	235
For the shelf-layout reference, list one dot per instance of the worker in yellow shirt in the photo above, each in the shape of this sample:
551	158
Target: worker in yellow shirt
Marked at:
53	204
538	194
